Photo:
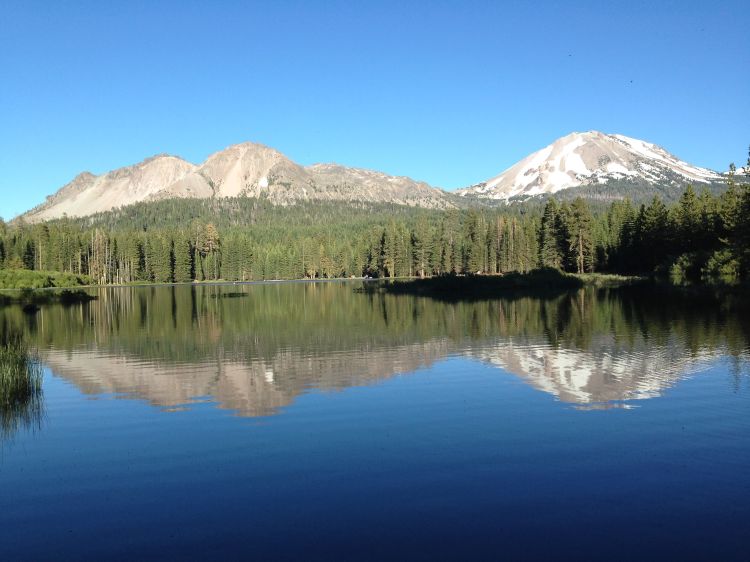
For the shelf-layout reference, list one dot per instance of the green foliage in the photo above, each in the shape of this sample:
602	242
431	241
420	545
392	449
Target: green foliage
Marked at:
577	225
247	239
184	257
684	269
722	267
700	237
551	249
21	402
25	279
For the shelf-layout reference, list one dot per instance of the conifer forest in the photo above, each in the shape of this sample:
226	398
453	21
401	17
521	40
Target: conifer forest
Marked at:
701	237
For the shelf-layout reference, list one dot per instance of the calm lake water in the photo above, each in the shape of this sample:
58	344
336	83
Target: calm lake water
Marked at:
306	421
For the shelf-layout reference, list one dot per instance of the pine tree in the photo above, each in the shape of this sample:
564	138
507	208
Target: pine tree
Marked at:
551	254
474	243
657	235
688	220
183	260
742	229
730	204
580	241
162	261
421	240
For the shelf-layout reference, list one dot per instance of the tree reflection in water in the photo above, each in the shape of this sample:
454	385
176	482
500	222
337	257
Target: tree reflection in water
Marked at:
176	345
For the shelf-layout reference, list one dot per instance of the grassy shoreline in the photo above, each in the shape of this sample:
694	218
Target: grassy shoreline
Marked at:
69	281
20	279
536	282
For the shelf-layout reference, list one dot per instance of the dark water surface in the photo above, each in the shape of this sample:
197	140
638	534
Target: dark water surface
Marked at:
310	421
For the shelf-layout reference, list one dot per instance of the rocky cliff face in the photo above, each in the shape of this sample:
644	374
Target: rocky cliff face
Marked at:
247	169
88	194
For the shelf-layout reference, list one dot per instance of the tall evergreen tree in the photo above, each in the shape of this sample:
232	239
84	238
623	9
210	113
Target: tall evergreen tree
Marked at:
688	220
422	240
183	260
579	236
551	254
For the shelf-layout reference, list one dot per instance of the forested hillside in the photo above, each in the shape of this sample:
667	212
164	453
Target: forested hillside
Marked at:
702	236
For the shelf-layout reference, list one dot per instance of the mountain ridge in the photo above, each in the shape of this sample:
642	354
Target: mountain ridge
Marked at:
588	163
244	169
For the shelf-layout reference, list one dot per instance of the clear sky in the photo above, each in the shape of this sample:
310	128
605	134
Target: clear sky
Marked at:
447	92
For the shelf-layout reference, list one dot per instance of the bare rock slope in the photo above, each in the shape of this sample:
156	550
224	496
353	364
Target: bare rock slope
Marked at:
246	169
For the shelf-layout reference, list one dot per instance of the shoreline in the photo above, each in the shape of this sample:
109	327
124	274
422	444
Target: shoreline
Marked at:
600	279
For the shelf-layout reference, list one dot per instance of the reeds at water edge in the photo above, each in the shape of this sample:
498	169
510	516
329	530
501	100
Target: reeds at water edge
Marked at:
21	396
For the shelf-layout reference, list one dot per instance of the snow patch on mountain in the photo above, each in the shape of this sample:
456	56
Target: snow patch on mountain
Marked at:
588	158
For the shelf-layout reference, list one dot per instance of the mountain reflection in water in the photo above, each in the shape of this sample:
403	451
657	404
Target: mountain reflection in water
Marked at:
173	346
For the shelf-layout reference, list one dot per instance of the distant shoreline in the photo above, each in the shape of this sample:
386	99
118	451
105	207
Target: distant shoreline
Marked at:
539	282
218	282
586	278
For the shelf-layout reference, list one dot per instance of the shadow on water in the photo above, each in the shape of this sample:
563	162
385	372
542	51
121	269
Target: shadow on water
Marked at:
540	283
171	345
21	394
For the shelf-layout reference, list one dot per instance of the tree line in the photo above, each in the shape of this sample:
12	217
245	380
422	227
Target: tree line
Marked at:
702	236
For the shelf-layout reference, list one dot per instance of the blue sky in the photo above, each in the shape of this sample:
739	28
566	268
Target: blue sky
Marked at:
447	92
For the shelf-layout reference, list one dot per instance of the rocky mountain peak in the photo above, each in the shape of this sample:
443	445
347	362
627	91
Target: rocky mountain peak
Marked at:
587	158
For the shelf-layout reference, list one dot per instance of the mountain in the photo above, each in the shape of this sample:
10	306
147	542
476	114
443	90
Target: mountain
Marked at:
594	165
593	160
88	194
246	169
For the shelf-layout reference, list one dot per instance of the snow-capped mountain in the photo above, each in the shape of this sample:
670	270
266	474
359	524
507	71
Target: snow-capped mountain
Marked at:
246	169
591	158
606	166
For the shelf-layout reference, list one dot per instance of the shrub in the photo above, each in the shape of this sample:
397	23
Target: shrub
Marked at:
721	267
27	279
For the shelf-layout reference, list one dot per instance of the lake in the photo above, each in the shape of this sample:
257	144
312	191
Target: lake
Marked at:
299	421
